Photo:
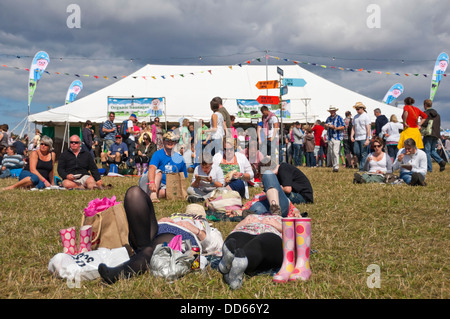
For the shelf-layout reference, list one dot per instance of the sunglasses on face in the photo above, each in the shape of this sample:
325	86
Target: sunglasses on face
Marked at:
44	144
74	142
377	146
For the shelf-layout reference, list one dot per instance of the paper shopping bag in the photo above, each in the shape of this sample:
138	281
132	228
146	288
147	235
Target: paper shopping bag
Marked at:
176	186
109	227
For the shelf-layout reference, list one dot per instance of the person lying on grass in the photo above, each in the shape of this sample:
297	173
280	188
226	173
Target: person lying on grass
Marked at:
145	233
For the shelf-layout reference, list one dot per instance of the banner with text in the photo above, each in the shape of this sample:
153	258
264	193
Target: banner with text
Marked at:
143	107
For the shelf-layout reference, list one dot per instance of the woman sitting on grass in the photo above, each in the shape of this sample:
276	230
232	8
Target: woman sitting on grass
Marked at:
145	233
39	171
235	167
377	165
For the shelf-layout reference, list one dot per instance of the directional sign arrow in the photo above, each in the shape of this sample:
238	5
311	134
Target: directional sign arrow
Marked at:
294	82
265	99
267	85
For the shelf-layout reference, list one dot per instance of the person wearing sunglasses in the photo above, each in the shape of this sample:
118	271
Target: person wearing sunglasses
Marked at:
377	165
76	165
166	160
144	154
38	172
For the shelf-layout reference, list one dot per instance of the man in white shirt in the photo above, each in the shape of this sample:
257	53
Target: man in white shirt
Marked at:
412	163
360	135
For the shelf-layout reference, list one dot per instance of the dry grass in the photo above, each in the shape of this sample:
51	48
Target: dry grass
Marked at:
402	229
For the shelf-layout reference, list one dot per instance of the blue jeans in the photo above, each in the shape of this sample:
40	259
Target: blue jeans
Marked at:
406	176
296	198
298	154
5	174
34	179
310	159
361	152
429	144
392	151
238	186
270	180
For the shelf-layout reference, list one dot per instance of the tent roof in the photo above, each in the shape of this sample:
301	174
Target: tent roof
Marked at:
189	89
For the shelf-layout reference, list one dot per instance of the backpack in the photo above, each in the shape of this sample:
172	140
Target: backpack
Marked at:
427	130
123	130
101	133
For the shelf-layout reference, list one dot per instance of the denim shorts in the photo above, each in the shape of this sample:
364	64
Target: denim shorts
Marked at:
34	179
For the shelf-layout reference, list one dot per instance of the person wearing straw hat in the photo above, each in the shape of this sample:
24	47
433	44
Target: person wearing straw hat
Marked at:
360	135
166	160
335	126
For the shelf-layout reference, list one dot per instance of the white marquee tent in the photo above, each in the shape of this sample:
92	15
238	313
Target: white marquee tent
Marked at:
187	91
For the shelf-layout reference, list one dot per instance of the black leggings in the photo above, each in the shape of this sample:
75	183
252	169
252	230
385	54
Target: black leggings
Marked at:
263	252
143	228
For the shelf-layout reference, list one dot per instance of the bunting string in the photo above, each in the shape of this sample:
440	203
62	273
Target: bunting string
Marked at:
247	62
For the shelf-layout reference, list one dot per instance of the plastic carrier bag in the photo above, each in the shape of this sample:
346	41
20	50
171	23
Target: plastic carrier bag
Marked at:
172	264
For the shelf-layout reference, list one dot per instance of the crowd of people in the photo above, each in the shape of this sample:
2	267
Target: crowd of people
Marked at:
230	159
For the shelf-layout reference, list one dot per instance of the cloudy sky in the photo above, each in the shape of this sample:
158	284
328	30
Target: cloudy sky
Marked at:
117	37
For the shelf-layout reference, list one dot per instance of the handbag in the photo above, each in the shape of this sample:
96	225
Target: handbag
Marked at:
109	227
176	186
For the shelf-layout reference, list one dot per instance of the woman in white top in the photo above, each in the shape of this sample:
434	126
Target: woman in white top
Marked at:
391	132
217	131
377	165
235	166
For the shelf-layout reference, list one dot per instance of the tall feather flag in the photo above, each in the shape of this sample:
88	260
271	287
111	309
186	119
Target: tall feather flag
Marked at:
439	70
40	62
394	92
73	91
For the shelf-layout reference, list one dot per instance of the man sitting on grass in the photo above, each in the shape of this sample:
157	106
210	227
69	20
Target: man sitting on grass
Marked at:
206	178
412	163
166	160
10	161
76	165
117	153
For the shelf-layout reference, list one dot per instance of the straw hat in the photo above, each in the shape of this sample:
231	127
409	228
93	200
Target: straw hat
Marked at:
332	108
359	105
195	209
171	137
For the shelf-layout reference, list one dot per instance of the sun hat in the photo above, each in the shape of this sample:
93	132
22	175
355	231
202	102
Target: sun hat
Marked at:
196	210
332	108
170	136
359	105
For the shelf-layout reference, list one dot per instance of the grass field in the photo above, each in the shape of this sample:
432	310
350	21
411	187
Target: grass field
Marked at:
402	230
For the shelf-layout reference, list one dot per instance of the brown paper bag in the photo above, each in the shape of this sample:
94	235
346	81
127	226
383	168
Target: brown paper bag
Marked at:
176	186
109	228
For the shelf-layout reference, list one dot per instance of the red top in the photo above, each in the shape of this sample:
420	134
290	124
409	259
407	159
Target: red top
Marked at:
318	130
413	115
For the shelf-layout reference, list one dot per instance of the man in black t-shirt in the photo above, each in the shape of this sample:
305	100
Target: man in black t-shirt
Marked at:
294	183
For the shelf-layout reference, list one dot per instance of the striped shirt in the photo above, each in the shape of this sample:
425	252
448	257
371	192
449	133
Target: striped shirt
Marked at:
337	122
111	135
